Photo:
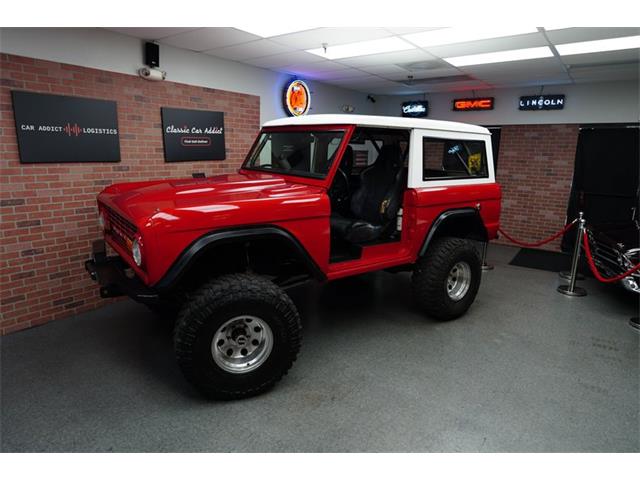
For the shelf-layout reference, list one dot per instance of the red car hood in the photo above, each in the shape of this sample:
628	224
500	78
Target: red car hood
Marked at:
197	199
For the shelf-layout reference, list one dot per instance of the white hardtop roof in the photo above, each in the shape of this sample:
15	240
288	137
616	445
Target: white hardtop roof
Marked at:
377	121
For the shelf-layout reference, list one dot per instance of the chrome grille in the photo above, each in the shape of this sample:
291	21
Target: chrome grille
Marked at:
121	230
605	256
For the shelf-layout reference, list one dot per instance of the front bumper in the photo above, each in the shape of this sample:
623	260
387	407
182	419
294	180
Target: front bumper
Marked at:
115	277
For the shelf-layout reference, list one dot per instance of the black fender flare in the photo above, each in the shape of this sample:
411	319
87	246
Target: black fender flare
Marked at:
471	213
232	235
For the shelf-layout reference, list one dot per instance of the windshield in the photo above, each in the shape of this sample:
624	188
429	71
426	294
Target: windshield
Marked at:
303	153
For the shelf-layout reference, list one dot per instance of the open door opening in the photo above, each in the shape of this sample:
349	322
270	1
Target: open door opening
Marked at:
367	192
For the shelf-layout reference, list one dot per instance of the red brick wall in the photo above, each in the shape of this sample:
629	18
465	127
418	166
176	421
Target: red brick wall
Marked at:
48	211
535	170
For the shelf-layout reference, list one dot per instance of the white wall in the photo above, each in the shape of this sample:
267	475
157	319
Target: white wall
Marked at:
584	103
110	51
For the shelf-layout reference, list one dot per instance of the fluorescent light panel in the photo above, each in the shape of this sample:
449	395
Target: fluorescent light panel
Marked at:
358	49
498	57
594	46
452	35
272	31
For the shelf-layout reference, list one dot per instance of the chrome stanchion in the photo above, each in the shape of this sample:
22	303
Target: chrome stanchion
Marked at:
566	275
485	265
571	290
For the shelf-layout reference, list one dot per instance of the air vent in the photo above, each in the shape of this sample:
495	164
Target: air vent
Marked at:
424	65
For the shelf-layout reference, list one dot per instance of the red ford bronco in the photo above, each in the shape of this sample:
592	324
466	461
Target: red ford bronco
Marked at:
318	197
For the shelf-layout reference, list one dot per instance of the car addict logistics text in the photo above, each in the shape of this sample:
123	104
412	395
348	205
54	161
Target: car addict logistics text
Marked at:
76	129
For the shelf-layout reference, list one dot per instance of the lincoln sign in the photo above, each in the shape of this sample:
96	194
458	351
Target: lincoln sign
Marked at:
542	102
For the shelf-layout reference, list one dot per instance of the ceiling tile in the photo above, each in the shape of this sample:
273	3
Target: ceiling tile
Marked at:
284	59
526	67
583	34
404	56
385	70
409	30
529	40
150	33
245	51
457	86
353	74
602	58
418	74
208	38
331	36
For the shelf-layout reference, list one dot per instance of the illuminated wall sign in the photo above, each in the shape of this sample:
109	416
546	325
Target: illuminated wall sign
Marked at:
542	102
469	104
297	98
419	108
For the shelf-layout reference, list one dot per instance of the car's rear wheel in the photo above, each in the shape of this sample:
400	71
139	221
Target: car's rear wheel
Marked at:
446	278
237	336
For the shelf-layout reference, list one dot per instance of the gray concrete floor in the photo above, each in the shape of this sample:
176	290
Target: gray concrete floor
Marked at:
527	369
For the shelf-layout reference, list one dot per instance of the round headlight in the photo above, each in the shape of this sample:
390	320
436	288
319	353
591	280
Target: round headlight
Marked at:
136	252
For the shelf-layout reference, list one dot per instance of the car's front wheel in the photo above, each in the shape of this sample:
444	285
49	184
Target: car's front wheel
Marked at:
237	336
446	278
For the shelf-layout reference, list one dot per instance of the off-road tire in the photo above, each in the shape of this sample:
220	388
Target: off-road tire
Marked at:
429	280
212	305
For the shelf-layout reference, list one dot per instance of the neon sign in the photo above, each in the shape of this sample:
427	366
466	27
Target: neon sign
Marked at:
542	102
470	104
297	98
415	109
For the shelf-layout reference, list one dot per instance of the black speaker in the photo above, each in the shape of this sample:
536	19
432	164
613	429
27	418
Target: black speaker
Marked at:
152	54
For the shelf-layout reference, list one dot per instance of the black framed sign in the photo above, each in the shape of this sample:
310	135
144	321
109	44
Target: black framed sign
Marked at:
542	102
416	109
62	129
192	135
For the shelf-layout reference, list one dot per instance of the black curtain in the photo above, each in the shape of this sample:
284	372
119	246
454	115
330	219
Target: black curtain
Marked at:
605	179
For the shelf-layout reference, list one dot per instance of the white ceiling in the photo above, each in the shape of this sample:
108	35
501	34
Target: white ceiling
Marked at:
388	73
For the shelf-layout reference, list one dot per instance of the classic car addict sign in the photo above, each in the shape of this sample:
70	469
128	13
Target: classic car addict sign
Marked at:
61	129
542	102
416	109
192	135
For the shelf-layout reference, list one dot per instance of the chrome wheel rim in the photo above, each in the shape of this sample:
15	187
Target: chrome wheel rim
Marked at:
458	281
242	344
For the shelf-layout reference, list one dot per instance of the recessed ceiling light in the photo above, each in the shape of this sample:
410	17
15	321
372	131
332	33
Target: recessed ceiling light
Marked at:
370	47
497	57
272	31
451	35
608	45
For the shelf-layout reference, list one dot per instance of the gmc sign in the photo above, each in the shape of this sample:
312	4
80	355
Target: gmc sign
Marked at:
469	104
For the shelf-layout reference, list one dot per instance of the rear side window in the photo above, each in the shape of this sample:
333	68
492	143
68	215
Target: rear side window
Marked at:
453	159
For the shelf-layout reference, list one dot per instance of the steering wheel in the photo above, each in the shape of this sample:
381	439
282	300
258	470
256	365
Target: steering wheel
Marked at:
340	191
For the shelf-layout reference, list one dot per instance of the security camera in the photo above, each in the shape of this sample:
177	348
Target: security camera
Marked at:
152	74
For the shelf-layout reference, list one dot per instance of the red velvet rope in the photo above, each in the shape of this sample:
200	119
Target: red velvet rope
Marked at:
541	242
594	269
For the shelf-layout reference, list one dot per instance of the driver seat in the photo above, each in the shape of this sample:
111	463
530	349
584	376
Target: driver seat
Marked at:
376	203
